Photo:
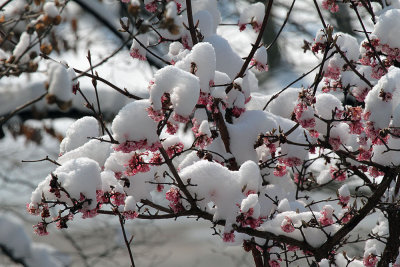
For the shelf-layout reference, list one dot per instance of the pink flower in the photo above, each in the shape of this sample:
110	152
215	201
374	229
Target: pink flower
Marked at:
156	159
130	215
229	237
280	170
338	175
32	209
246	219
40	229
129	146
180	118
151	7
238	111
156	115
330	5
202	140
326	218
174	197
346	216
304	115
118	199
344	200
258	65
370	261
89	213
332	72
174	149
360	93
274	263
160	188
374	172
136	164
172	128
335	142
385	96
287	225
364	154
291	162
356	127
135	53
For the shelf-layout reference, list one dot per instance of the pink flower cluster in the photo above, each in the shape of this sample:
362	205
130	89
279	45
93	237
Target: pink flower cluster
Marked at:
370	261
287	225
330	5
326	218
258	65
229	237
40	229
135	53
174	197
137	164
274	263
291	161
118	199
130	215
174	149
129	146
280	170
246	219
151	7
301	117
338	175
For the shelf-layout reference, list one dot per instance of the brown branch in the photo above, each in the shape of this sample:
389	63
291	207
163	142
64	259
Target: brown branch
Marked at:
256	45
283	25
127	243
178	179
192	29
18	109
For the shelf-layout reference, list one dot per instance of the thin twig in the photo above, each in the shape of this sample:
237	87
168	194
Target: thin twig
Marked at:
18	109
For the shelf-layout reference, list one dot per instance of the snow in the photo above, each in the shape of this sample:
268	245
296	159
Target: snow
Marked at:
14	238
60	84
125	125
23	49
221	186
384	29
50	9
76	176
183	87
203	56
78	133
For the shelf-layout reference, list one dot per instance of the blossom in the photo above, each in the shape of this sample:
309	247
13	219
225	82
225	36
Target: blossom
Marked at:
136	164
280	170
338	175
151	7
40	229
287	225
130	215
370	260
174	197
174	149
326	218
229	237
330	5
89	213
118	199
